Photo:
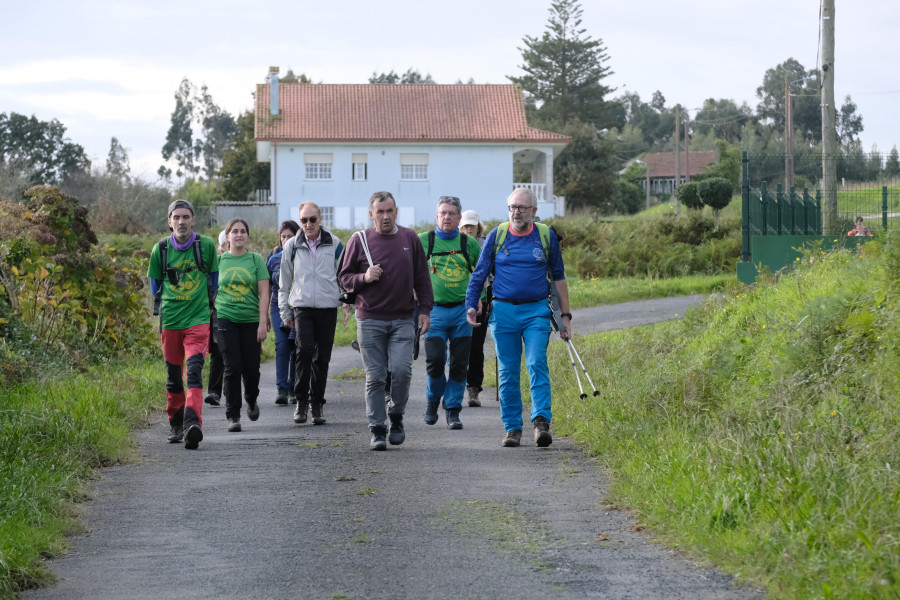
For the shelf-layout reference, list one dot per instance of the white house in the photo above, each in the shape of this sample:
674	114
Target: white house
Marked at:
337	144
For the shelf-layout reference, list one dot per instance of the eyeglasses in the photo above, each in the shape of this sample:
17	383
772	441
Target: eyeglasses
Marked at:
521	209
445	213
306	220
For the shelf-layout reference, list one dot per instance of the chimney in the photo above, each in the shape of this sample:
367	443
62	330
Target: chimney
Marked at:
273	90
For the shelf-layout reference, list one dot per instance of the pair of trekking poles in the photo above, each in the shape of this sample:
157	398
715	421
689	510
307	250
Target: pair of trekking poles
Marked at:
573	354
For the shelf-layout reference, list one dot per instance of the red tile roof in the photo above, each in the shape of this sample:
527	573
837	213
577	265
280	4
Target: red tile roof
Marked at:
662	164
397	113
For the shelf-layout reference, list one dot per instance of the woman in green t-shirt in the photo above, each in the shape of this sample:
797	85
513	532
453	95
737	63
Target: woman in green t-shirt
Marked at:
241	305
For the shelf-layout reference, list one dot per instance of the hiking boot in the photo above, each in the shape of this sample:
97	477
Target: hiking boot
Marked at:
176	434
300	412
252	410
473	396
453	421
378	442
355	345
431	415
513	438
234	425
542	435
281	398
318	414
212	399
396	435
292	399
192	437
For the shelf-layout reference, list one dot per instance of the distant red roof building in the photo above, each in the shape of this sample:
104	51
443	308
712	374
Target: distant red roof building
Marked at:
396	113
662	164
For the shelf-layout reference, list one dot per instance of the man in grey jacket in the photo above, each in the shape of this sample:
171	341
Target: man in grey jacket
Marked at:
308	298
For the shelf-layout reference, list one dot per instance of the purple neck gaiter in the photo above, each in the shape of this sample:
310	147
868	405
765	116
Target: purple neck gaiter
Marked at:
184	246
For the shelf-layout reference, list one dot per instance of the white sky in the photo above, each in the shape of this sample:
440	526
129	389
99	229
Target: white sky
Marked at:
110	68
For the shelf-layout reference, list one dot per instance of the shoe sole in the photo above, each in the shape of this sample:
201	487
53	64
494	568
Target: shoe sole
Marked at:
544	439
211	402
380	446
253	414
234	428
300	421
281	402
176	440
455	426
474	403
192	438
396	439
319	421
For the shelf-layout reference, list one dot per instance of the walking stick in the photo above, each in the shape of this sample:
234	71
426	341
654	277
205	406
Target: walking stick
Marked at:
596	391
574	368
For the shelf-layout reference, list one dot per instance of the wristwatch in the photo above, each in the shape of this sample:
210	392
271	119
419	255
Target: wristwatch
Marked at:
561	315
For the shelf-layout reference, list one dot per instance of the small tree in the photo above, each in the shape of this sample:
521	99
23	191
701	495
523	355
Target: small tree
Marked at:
688	194
716	193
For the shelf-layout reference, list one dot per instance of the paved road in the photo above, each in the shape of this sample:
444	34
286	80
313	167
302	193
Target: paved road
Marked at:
288	511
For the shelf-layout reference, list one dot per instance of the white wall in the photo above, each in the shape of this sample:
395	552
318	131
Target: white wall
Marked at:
481	176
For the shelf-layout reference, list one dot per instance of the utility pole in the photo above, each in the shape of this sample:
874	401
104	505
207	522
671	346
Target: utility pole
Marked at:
788	135
829	143
677	159
687	146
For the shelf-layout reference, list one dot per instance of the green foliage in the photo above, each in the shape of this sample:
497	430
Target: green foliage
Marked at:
39	149
412	76
723	118
630	196
688	195
760	432
69	296
666	246
715	193
892	165
240	172
729	165
564	69
585	170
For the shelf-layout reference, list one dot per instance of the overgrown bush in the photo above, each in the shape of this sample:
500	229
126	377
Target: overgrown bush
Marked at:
689	195
63	293
669	246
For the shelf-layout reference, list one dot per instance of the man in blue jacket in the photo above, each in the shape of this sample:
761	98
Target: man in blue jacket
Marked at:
525	262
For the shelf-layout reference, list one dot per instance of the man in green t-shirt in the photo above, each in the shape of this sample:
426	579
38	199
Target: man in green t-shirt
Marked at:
451	258
185	283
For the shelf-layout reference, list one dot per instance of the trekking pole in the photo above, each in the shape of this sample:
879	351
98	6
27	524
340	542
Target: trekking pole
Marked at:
574	368
596	391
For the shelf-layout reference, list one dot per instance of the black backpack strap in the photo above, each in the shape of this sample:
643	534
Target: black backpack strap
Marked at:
464	248
430	245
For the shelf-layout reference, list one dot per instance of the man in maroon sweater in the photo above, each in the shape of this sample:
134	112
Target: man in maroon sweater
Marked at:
388	292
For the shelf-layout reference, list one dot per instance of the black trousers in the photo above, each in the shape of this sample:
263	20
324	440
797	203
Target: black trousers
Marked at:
475	374
241	352
315	338
216	366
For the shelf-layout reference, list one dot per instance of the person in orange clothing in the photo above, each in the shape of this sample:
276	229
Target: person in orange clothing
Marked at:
860	228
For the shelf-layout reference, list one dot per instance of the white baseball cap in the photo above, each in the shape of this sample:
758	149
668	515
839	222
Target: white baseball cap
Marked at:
469	217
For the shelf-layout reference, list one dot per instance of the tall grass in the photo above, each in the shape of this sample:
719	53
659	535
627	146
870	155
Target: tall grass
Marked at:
761	432
52	435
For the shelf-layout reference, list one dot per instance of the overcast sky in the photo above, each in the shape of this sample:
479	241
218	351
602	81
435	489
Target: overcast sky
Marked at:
110	68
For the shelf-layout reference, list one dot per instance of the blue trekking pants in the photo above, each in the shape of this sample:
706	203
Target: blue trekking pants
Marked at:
448	326
511	326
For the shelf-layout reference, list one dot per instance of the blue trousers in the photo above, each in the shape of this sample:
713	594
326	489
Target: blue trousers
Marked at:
284	352
511	326
448	326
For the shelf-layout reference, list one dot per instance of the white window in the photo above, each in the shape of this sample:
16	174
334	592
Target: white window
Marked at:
318	166
327	216
413	167
360	167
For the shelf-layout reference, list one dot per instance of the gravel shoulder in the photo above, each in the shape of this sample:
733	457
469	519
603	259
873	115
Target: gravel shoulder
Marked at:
301	511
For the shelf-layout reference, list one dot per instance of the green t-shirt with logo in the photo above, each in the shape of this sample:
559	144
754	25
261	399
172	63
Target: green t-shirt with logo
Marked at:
449	272
238	298
186	304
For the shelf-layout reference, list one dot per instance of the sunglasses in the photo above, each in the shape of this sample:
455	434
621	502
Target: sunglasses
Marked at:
306	220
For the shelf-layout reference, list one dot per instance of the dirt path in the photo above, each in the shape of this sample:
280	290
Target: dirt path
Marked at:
288	511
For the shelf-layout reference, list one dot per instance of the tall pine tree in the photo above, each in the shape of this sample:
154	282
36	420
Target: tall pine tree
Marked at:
564	70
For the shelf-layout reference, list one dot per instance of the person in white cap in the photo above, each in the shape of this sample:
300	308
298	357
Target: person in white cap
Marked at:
470	224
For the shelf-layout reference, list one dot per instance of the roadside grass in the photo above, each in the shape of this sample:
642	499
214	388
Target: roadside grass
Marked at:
597	291
53	433
761	432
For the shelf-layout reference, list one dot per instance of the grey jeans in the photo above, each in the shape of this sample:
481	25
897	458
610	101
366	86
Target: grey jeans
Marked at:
386	346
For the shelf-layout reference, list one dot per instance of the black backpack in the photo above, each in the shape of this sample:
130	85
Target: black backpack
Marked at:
463	243
164	267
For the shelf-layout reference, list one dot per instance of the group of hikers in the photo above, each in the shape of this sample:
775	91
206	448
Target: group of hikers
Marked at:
446	286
